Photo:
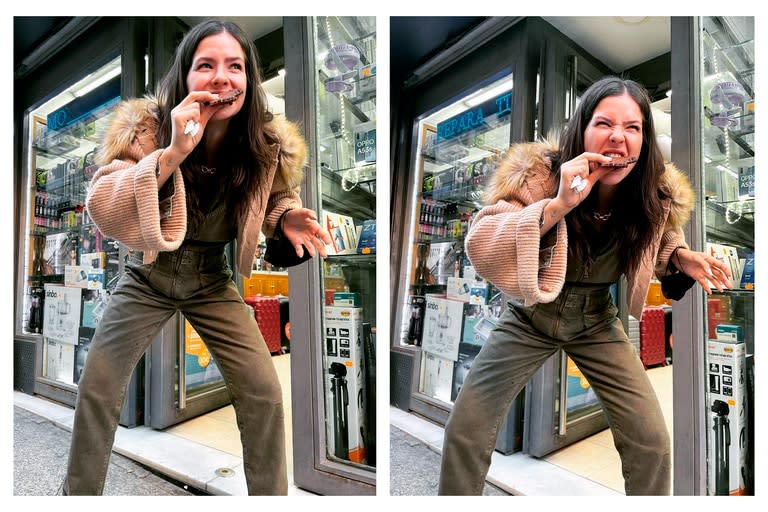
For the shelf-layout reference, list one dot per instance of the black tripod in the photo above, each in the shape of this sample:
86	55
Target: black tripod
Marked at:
722	444
340	404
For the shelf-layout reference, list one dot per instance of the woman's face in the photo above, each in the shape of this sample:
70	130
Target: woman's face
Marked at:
616	129
218	66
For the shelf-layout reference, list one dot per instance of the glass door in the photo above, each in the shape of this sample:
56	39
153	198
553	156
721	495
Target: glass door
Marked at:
728	177
335	422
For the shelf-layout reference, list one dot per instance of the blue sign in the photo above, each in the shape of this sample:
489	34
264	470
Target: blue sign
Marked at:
475	117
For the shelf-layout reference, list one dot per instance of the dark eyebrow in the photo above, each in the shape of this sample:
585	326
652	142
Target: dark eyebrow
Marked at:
605	118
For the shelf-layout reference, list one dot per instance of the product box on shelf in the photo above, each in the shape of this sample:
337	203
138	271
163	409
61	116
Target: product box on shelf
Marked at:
437	377
730	257
344	350
76	276
96	279
60	251
59	361
81	352
443	326
727	417
444	260
459	288
61	316
367	240
365	143
94	260
467	354
748	273
417	309
342	231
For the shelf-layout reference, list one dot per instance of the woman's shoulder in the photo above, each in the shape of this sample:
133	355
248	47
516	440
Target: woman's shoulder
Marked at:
131	117
523	163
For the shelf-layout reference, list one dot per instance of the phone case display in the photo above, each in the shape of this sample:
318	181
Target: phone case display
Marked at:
727	92
345	49
449	309
69	267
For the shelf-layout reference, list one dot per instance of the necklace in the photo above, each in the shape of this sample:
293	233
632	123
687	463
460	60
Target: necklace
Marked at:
602	216
208	170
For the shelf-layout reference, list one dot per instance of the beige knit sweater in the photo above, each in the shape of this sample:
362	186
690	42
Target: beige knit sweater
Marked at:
123	199
504	242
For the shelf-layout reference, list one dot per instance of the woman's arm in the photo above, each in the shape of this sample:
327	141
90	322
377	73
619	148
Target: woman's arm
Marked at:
125	204
505	246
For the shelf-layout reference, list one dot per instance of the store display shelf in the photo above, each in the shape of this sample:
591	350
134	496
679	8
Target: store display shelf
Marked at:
470	197
736	292
353	259
437	240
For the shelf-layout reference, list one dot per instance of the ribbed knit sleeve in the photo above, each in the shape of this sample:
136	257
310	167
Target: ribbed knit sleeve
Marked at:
124	203
505	247
281	198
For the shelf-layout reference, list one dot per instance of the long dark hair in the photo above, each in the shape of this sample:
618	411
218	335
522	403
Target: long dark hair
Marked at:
244	149
638	194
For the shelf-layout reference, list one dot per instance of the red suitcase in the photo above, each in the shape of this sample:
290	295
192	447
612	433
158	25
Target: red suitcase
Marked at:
267	313
652	337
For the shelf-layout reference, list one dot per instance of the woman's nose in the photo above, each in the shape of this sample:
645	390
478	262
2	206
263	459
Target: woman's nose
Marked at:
617	135
220	76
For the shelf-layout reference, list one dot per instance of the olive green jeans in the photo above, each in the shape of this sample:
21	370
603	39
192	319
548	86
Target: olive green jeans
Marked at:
196	281
582	321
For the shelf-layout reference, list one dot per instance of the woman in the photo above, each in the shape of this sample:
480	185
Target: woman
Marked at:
182	177
611	215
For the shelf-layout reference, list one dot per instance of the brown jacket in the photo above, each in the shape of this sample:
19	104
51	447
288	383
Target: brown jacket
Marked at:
124	202
505	246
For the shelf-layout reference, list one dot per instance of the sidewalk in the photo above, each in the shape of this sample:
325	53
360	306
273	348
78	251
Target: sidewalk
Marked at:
516	474
40	450
202	469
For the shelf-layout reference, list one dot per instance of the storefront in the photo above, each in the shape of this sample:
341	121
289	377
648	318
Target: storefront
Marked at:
66	268
515	79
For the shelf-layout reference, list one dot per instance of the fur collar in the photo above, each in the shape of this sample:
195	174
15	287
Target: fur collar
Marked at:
528	164
133	116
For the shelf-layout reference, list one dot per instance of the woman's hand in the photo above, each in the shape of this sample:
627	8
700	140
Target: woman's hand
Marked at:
300	226
704	268
580	169
189	119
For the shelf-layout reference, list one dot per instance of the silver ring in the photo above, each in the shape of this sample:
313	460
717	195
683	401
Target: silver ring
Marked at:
191	128
578	184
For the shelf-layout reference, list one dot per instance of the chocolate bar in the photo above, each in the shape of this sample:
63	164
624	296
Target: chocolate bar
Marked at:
621	162
228	99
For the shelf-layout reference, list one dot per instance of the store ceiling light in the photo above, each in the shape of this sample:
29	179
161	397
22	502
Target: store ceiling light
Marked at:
106	77
482	96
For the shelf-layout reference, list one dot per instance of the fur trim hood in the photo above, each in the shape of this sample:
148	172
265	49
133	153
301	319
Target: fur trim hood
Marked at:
140	116
529	164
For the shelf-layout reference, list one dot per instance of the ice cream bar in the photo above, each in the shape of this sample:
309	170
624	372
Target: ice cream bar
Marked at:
228	98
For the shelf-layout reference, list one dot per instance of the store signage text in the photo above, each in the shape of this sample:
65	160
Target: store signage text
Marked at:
475	117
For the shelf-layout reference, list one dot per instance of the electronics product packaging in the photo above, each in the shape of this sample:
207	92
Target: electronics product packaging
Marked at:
344	345
437	377
459	288
443	325
467	354
76	276
60	361
365	143
726	417
342	231
415	319
61	314
730	257
367	240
